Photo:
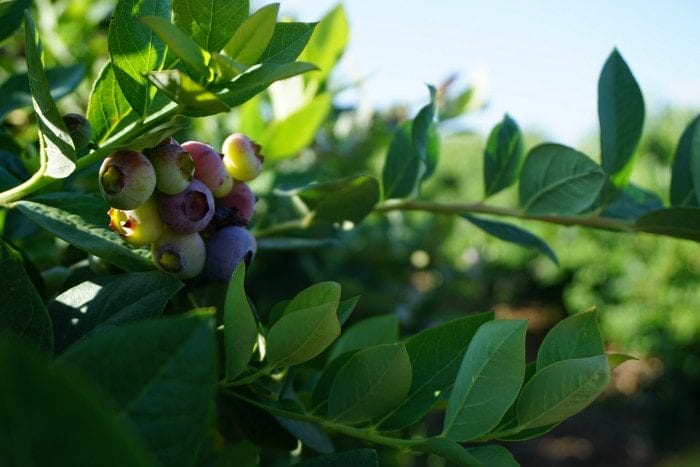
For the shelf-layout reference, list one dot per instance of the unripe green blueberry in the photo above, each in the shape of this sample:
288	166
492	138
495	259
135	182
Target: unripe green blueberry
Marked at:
173	166
79	130
181	255
188	211
225	251
242	157
208	167
140	226
127	179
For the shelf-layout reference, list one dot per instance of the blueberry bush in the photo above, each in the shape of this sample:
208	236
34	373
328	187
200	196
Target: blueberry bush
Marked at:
128	335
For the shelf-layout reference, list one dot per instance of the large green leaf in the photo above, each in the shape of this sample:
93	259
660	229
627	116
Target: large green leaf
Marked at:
56	146
288	41
11	14
383	329
450	451
240	328
108	110
577	336
402	167
135	49
680	222
556	179
493	454
253	36
257	78
685	175
514	234
371	383
309	325
327	43
632	203
436	355
211	23
285	138
488	380
23	312
561	389
53	417
355	458
162	375
81	220
187	50
105	302
424	136
503	156
16	92
323	386
348	199
621	115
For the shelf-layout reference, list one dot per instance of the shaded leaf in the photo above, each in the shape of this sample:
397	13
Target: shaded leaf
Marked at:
621	115
685	175
295	243
680	222
309	434
108	110
348	199
577	336
11	14
166	397
376	330
493	454
513	234
23	312
450	451
632	203
356	458
195	99
503	156
402	165
556	179
240	328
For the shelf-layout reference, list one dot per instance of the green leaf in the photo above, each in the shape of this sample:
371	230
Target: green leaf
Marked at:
559	180
23	312
240	328
288	41
562	389
632	203
225	68
57	153
348	199
621	116
402	166
310	435
108	110
253	36
322	389
679	222
327	43
162	375
81	220
436	355
16	93
372	382
493	454
195	99
155	135
617	359
685	175
503	156
513	234
450	451
187	50
451	107
257	78
285	138
105	302
488	380
53	417
577	336
424	136
309	325
529	433
383	329
211	23
346	307
11	14
135	49
356	458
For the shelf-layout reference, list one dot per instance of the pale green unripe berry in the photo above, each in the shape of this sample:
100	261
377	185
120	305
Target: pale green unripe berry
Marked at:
242	157
140	226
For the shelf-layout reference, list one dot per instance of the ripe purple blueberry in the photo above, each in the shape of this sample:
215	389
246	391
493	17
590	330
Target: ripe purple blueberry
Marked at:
237	207
226	249
127	179
139	226
79	130
208	167
242	157
182	255
173	166
188	211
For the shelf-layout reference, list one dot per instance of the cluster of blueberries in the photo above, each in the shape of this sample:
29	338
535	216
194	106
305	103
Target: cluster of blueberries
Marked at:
189	202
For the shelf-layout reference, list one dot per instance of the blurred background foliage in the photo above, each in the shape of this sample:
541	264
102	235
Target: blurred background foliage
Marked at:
424	268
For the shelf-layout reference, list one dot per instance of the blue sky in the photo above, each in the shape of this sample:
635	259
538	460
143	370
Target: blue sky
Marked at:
537	60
